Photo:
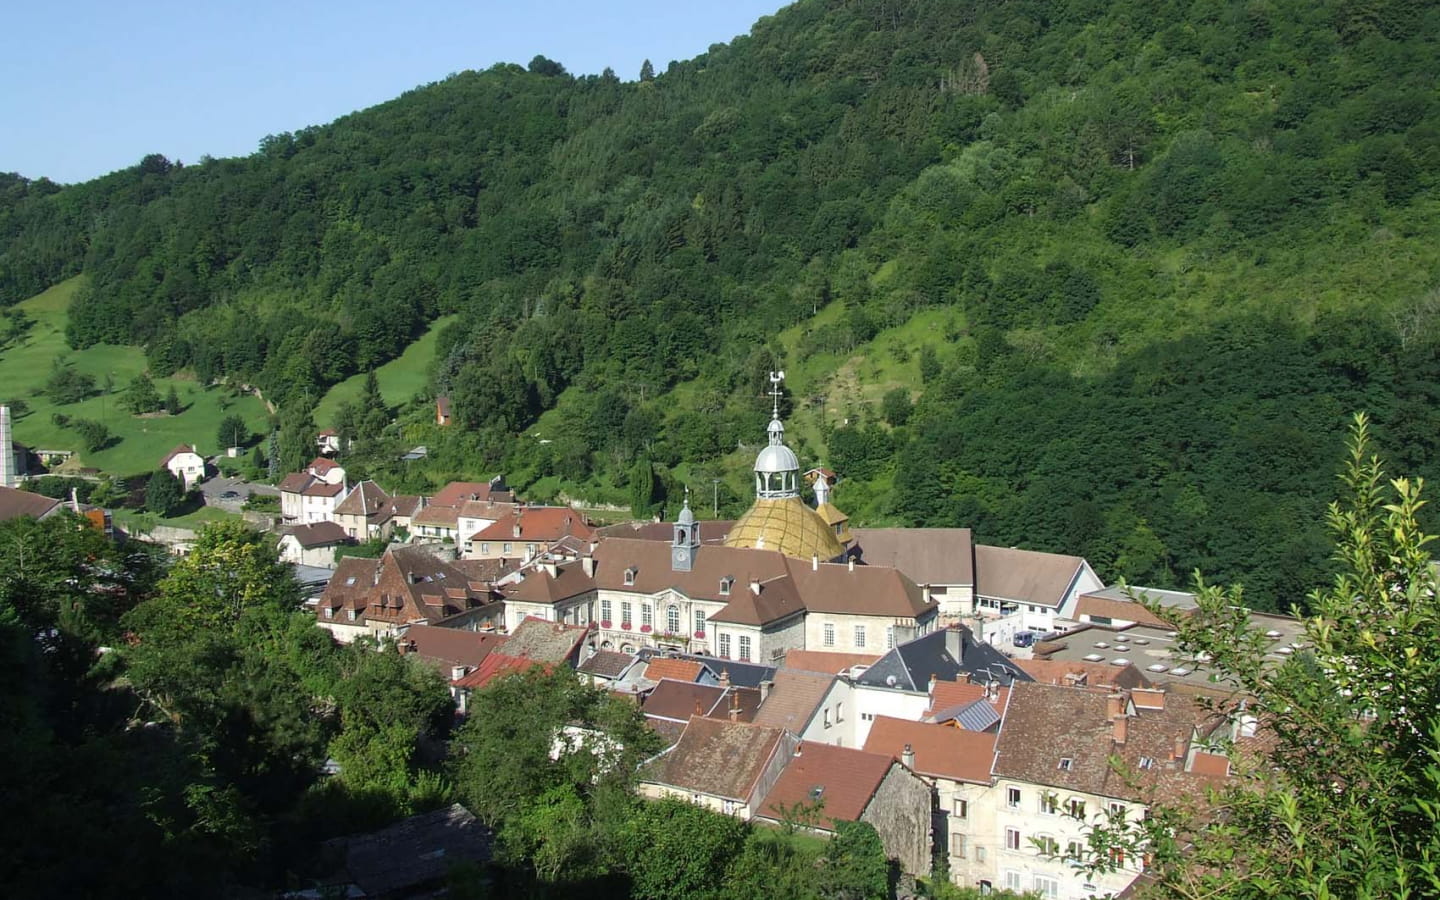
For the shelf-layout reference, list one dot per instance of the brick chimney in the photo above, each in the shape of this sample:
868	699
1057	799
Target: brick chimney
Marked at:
734	706
1115	711
1182	748
725	678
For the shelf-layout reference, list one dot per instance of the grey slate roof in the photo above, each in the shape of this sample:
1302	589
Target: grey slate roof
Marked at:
943	654
414	852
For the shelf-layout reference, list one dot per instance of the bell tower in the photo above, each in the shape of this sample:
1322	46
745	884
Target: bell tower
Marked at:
686	542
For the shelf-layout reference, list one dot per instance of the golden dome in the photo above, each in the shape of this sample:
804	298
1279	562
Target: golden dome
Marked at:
786	525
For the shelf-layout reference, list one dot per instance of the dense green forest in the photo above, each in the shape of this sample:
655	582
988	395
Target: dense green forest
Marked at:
1119	271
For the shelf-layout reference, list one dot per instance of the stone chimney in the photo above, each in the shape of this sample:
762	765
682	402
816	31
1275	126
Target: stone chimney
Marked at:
754	587
1182	748
551	568
725	678
907	756
814	562
852	563
765	688
587	565
955	644
734	706
9	474
933	679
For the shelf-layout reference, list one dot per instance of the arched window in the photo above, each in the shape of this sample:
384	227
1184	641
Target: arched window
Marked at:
672	619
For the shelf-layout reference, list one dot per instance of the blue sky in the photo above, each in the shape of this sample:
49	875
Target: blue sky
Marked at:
94	85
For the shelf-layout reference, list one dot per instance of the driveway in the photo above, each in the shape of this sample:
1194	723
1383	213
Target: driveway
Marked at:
213	490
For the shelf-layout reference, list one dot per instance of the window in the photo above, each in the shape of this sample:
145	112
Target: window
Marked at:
962	808
725	646
505	549
672	619
859	635
624	614
605	613
744	648
980	854
730	806
1012	839
1012	798
629	573
1073	850
699	621
1012	880
827	712
1066	763
1046	886
1047	845
1049	804
1117	855
329	612
484	547
1117	810
957	846
647	615
829	635
725	584
889	637
350	614
1075	808
1147	762
840	712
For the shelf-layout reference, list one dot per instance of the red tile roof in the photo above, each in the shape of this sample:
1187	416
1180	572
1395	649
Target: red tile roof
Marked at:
537	524
450	646
497	665
676	669
844	779
939	749
183	448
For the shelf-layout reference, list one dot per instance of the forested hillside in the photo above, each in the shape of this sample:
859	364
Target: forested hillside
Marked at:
1132	263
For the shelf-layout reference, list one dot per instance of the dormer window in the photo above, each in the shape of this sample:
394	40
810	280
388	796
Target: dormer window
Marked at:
350	614
630	575
725	584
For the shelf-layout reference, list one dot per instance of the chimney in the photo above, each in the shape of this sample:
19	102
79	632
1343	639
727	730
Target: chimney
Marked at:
587	565
1114	705
734	706
765	687
1121	728
551	568
458	672
933	679
907	756
725	678
1182	748
962	677
814	562
754	587
1115	711
74	502
852	563
698	710
955	644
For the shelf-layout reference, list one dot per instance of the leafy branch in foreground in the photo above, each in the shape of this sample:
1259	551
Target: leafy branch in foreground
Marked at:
1337	787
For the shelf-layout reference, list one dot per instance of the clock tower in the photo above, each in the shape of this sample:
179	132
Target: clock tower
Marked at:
687	539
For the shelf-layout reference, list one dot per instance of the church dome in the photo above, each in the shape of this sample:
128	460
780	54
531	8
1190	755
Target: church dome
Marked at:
788	526
776	458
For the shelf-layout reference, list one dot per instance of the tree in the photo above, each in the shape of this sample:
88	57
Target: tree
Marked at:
1361	818
855	864
164	493
647	71
645	489
233	431
896	406
172	402
141	396
93	435
66	386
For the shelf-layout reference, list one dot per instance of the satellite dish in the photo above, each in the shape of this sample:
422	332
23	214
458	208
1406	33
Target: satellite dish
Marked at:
890	680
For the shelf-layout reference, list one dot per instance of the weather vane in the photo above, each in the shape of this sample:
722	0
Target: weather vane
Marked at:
775	379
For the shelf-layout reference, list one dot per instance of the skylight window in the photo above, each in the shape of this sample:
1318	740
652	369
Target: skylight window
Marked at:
1147	762
1119	661
1102	645
1066	764
1093	657
1181	670
1157	667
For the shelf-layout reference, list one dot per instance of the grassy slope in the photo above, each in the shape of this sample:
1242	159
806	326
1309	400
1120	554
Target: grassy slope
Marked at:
143	441
399	379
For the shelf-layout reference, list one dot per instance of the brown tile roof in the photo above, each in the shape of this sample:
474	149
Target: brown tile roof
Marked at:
677	669
939	749
1025	576
679	700
537	524
607	664
450	646
717	757
711	531
322	489
295	482
457	492
183	448
15	503
405	505
845	779
826	661
1045	723
407	584
485	509
486	571
438	516
793	699
320	465
319	534
785	587
1106	607
1078	673
496	665
365	499
538	586
926	555
543	641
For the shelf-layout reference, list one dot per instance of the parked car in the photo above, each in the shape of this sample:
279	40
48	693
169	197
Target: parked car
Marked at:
1024	638
230	495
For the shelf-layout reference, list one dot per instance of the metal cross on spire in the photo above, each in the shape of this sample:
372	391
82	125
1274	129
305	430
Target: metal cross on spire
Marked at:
775	379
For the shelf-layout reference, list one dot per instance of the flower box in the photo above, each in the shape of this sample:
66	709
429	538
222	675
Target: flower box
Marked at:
646	629
624	626
700	634
604	623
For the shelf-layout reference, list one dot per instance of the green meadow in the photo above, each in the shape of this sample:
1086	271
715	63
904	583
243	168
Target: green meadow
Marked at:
400	379
142	440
